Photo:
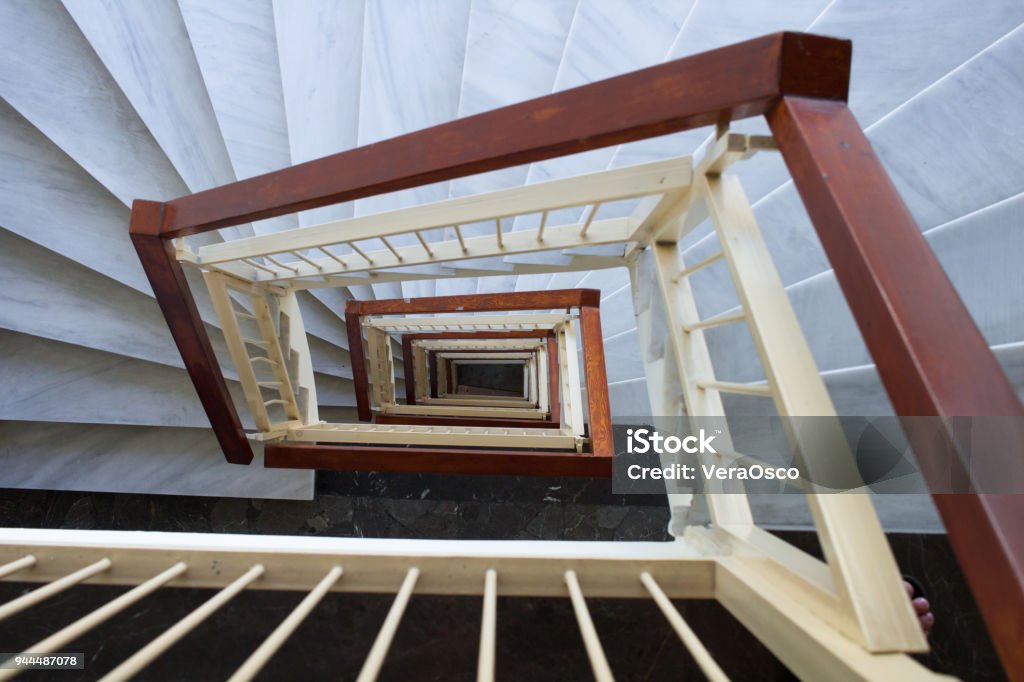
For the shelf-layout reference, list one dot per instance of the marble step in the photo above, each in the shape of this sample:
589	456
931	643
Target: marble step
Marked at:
236	48
315	39
45	191
60	382
48	198
412	65
533	34
915	115
323	114
854	391
642	33
52	297
136	459
980	253
88	116
887	77
147	50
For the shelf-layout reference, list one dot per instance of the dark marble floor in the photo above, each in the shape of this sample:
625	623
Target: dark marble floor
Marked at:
538	638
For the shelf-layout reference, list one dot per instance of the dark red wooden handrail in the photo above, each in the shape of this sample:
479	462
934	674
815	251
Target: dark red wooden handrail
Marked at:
929	353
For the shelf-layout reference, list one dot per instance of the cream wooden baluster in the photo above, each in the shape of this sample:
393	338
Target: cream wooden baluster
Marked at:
690	640
598	661
105	612
375	659
50	589
272	343
227	315
488	628
149	653
874	607
282	632
17	565
693	362
298	342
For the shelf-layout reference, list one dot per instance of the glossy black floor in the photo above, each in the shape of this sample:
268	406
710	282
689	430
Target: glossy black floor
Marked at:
537	638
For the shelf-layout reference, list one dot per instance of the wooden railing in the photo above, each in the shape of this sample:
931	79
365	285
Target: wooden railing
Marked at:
931	356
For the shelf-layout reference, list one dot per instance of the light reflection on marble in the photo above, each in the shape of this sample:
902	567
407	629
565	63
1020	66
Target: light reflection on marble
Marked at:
64	90
133	459
235	45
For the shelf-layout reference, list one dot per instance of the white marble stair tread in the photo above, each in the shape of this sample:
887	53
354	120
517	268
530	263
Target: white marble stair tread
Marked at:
61	382
895	65
894	60
858	390
51	200
980	253
629	399
322	113
137	459
334	391
235	46
57	299
715	24
48	198
412	66
322	321
537	282
938	150
54	381
455	286
147	50
320	52
642	33
88	116
531	35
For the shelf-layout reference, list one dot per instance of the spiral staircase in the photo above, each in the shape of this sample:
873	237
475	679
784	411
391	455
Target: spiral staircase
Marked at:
105	102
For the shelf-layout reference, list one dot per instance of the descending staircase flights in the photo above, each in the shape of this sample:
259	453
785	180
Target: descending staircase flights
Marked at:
256	101
150	109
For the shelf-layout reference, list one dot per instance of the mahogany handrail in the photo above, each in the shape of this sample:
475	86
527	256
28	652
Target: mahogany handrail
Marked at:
931	356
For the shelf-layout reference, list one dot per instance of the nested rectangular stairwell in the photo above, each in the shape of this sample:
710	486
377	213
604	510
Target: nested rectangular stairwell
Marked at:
843	618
